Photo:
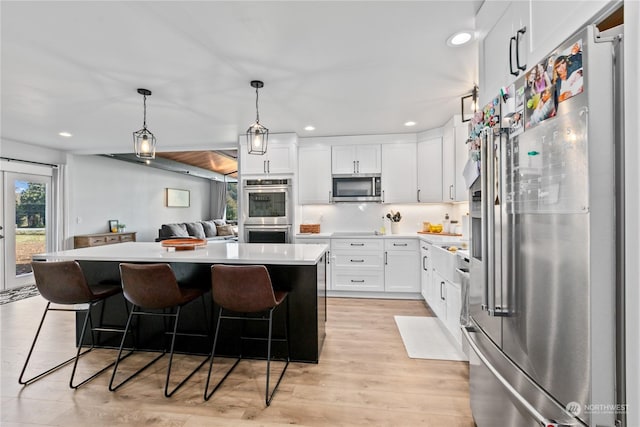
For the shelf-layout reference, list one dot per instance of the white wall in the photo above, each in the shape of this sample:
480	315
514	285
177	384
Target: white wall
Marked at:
368	216
32	153
101	189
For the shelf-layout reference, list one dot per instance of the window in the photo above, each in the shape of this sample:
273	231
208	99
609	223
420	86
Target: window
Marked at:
232	201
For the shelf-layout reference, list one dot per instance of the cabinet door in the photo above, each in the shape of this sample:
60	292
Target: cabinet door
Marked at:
368	159
280	159
439	305
343	158
430	170
496	50
461	157
401	273
425	272
454	306
547	34
314	175
448	164
253	164
399	173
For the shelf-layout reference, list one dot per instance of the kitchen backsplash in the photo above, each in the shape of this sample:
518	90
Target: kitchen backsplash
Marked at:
368	216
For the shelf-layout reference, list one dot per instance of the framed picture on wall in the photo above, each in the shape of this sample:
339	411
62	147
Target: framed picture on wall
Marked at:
113	225
177	198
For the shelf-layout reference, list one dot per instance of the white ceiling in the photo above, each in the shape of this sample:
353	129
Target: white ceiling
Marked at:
360	67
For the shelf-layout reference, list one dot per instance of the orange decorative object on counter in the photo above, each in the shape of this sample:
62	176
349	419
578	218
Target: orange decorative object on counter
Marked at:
435	228
309	228
183	244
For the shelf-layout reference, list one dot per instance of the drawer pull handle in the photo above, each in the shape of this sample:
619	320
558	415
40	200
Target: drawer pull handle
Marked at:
356	260
357	244
357	281
399	244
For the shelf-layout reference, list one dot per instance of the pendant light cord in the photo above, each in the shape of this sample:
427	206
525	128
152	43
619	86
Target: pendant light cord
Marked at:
257	112
144	120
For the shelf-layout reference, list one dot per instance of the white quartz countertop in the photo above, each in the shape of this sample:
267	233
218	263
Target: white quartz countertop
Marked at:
235	253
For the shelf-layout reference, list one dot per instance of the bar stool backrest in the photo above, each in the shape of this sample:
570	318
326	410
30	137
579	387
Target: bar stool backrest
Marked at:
242	288
150	285
61	282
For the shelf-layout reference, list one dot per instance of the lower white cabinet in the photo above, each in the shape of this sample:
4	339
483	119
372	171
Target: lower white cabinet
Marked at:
425	270
444	294
401	265
357	265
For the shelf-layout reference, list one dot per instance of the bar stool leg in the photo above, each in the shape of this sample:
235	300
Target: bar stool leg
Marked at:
208	395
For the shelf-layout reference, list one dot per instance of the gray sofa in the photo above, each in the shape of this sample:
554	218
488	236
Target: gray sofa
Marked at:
215	230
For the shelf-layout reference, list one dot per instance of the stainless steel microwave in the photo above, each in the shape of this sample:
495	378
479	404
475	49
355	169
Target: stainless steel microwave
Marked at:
361	188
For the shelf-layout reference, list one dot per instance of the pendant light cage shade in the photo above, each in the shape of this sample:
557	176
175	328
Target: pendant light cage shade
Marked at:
144	142
257	137
257	134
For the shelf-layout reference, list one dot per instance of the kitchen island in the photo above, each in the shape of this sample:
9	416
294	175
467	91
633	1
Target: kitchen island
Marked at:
299	269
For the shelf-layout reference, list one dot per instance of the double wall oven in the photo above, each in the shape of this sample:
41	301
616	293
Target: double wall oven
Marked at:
267	210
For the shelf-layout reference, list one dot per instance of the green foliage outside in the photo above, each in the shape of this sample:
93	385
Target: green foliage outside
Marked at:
31	206
232	201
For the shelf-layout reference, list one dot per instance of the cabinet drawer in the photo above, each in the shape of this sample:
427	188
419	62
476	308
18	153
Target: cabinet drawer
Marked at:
113	239
97	241
357	244
357	281
126	238
357	259
401	244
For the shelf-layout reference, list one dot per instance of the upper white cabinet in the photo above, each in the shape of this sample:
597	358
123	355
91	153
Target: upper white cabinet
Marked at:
280	158
399	173
314	174
356	159
503	48
515	35
429	159
454	158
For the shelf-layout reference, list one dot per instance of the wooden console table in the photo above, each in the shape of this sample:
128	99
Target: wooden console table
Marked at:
88	240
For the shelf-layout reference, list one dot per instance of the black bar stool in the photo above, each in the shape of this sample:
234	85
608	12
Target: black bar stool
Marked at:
154	287
246	289
63	282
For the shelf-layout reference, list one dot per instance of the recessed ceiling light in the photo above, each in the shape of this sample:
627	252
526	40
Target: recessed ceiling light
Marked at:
65	134
309	128
460	38
410	123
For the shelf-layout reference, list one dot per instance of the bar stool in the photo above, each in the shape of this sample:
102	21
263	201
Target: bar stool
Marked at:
246	290
154	287
63	282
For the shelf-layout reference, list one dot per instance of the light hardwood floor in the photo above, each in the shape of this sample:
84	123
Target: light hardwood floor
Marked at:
364	378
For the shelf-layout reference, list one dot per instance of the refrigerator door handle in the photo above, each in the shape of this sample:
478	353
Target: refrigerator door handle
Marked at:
528	407
490	222
484	155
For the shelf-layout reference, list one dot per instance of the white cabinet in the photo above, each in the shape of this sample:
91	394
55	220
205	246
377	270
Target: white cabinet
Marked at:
523	33
356	159
399	173
454	158
425	270
319	241
401	267
429	170
444	297
504	46
280	158
314	174
357	265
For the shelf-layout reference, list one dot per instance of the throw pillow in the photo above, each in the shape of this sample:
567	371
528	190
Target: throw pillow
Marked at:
209	228
175	230
225	230
220	221
195	229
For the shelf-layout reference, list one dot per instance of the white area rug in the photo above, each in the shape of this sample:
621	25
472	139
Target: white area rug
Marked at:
426	338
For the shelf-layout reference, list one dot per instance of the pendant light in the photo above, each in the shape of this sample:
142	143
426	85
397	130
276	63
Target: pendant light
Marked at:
144	143
257	135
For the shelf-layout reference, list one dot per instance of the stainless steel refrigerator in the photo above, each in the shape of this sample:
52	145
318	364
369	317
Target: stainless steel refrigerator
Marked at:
543	286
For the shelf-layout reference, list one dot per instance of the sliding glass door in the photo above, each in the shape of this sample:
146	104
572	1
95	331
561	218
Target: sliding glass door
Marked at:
26	224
